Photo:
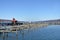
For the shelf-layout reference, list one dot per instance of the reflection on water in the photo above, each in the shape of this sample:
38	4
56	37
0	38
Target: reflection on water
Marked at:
37	33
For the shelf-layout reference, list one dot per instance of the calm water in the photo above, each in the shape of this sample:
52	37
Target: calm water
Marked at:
45	33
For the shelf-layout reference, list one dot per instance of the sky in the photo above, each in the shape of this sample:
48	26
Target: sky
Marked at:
30	10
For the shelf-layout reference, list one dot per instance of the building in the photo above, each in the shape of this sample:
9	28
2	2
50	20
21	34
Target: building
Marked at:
4	22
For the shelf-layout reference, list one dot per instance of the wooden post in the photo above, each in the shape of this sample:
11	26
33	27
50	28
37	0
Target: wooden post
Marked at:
23	34
3	36
16	35
6	35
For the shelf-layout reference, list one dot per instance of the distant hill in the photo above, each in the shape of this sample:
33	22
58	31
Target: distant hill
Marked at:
48	21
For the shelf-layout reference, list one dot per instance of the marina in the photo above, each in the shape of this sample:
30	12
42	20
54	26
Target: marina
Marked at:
39	33
25	29
29	19
11	29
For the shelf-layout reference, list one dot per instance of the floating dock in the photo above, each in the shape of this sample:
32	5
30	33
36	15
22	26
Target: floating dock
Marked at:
13	28
10	29
17	28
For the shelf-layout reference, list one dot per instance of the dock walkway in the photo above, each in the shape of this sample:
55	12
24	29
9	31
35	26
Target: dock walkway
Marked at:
13	28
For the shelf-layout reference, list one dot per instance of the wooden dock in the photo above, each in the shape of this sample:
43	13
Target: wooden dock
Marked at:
17	28
10	29
13	28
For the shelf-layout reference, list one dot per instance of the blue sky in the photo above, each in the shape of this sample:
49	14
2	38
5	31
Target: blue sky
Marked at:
30	10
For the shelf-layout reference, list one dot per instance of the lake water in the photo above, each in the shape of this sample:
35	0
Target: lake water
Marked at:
51	32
